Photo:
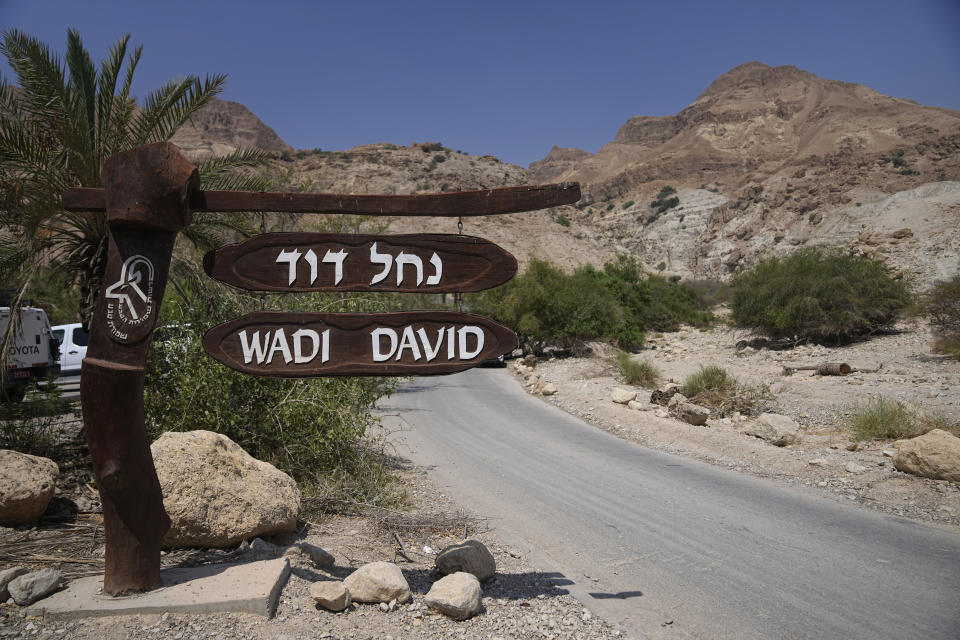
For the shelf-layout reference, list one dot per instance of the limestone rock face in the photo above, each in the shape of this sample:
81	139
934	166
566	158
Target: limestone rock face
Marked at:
27	484
217	494
378	582
470	556
456	595
935	454
774	428
332	595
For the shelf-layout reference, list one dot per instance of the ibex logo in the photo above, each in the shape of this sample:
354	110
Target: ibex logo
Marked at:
130	299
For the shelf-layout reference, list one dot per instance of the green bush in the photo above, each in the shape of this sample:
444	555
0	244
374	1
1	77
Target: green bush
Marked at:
617	304
663	201
638	372
286	156
628	204
562	220
36	424
710	379
817	295
942	303
881	418
315	429
897	159
439	158
427	147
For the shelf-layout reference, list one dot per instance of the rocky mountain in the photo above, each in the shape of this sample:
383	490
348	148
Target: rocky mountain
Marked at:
771	158
765	160
223	126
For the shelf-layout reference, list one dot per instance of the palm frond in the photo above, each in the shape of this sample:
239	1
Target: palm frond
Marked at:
234	171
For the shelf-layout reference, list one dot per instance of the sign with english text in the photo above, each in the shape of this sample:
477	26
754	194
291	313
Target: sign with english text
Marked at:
306	344
419	263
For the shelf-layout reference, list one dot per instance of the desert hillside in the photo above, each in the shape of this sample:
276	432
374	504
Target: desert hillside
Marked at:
765	160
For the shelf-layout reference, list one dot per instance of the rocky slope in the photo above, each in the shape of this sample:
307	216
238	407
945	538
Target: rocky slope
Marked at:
790	159
223	126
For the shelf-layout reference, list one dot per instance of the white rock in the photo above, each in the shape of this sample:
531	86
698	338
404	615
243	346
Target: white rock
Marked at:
691	413
30	587
817	462
548	389
470	556
217	494
774	428
378	582
622	396
456	595
5	577
636	406
853	467
27	484
332	595
889	453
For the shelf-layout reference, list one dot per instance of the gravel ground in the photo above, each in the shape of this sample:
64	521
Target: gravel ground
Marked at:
521	601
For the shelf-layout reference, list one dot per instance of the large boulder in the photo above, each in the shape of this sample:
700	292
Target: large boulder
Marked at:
456	595
774	428
691	413
27	484
378	582
935	454
217	494
470	556
622	396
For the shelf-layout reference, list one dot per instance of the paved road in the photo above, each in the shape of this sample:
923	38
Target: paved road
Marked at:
645	538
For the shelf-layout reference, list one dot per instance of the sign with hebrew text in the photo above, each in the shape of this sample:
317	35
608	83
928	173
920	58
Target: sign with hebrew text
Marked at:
425	263
306	344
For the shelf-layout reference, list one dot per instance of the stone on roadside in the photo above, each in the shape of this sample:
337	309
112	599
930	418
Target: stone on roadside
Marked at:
320	558
817	462
470	556
935	454
776	429
622	396
217	494
456	596
636	406
691	413
548	389
853	467
529	360
30	587
5	577
332	595
378	582
27	484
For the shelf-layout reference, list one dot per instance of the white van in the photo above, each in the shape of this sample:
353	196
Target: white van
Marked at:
73	347
33	351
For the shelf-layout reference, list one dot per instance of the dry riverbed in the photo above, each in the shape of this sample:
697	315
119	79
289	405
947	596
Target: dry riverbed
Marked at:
908	371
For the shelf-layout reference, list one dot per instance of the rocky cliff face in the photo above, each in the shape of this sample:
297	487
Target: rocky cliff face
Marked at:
223	126
772	158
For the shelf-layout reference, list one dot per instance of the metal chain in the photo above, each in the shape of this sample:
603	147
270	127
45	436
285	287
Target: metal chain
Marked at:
458	297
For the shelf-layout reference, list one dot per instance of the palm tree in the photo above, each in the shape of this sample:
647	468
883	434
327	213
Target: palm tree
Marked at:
58	126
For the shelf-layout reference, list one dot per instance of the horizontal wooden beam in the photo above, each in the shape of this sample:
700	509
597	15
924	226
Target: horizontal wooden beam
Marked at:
457	203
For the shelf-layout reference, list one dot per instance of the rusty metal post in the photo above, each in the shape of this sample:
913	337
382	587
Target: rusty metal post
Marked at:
147	194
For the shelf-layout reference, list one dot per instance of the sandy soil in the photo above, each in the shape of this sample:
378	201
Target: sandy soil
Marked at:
909	372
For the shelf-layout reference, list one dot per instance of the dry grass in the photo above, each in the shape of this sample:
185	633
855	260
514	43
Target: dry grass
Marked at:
881	418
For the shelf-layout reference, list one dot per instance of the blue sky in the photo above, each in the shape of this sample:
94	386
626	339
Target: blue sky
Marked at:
504	78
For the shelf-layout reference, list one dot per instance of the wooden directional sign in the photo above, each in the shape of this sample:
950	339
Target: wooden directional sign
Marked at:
298	345
351	262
